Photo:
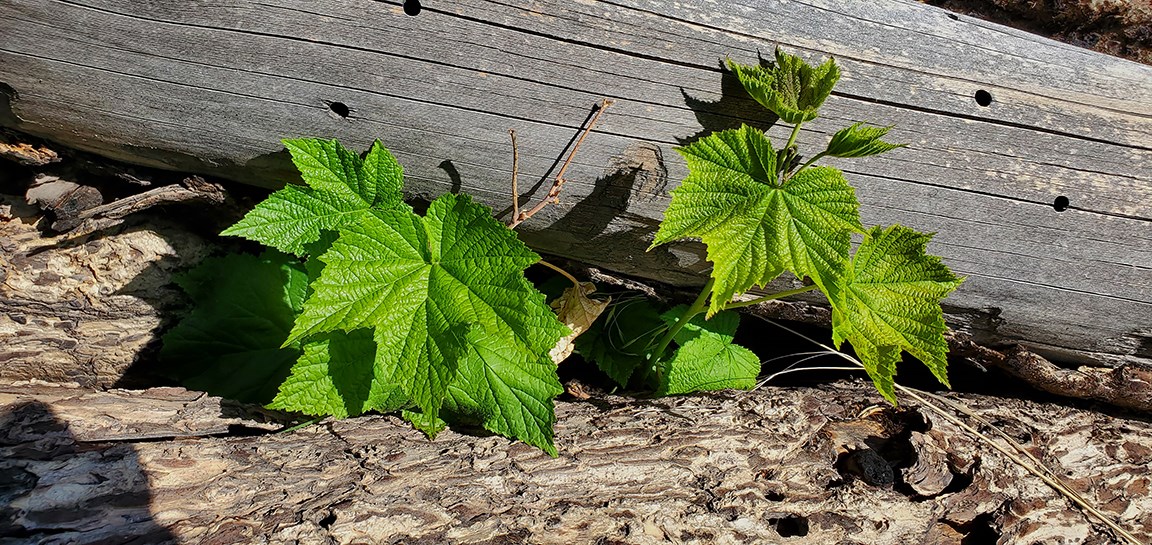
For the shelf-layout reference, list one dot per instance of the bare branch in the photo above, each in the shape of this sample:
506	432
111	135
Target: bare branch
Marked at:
553	196
515	166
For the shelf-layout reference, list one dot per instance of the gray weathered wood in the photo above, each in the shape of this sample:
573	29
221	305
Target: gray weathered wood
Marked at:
211	87
85	467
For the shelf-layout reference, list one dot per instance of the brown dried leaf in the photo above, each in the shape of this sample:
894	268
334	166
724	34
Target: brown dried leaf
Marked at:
577	311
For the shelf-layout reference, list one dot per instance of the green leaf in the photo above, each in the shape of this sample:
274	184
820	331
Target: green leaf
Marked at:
508	391
754	226
230	344
439	291
336	376
860	140
791	88
341	189
889	301
430	425
620	342
706	358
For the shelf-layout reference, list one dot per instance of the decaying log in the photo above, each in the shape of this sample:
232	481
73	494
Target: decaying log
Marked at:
85	309
780	465
72	204
1030	158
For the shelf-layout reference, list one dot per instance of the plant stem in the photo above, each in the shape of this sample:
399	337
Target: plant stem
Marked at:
553	196
771	297
515	166
814	158
792	138
302	425
696	308
561	271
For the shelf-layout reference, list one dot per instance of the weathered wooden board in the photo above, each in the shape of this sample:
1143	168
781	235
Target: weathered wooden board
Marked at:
772	466
211	87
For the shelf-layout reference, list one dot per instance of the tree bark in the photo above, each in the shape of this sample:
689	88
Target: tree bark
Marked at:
85	308
777	465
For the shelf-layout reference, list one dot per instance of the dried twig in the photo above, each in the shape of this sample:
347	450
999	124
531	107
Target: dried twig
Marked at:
1124	386
77	207
553	196
193	188
515	166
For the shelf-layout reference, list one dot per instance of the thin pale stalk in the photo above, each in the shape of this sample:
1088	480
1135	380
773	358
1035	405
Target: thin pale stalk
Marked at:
730	305
773	376
1036	468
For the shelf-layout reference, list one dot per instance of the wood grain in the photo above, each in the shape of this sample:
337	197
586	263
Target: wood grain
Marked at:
767	467
212	87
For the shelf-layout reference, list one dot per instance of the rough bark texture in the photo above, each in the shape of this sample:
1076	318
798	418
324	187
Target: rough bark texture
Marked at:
211	88
772	466
83	309
1002	125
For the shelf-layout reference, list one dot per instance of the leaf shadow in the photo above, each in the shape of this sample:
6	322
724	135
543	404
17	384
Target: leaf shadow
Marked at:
734	108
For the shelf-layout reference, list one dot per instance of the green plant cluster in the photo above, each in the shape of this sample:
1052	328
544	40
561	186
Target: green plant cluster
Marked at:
429	315
761	215
361	304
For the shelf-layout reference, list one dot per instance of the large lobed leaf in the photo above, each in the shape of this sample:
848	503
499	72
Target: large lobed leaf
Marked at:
889	301
342	187
791	88
448	304
756	227
336	375
230	344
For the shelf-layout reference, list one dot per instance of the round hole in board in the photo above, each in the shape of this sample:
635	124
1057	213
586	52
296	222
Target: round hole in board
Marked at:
983	97
1060	204
412	7
339	108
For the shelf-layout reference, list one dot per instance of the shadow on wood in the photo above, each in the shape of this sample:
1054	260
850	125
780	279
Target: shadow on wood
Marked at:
107	500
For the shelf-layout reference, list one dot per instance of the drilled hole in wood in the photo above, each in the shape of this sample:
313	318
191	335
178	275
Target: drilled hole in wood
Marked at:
339	108
1060	204
983	97
412	7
